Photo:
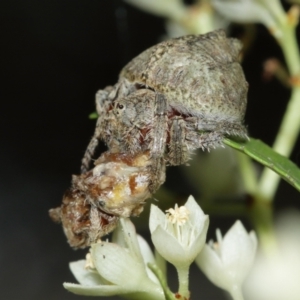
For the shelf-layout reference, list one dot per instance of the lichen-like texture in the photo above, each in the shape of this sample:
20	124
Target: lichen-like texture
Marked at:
200	74
180	95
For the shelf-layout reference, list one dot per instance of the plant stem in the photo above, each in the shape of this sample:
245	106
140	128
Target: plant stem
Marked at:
162	279
183	278
236	293
289	46
261	215
284	143
161	263
290	125
248	173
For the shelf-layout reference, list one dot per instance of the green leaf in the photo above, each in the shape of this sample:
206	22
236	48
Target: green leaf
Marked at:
265	155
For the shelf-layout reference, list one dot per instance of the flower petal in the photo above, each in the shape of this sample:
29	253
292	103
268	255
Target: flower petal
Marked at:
130	237
210	264
112	261
148	257
198	241
238	250
197	217
169	248
146	251
157	217
276	276
98	290
227	262
164	8
111	290
244	11
85	276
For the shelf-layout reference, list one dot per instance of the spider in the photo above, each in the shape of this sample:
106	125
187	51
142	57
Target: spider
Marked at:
180	95
175	97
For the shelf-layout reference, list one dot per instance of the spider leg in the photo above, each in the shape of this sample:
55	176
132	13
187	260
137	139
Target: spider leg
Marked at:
224	127
178	149
157	134
204	140
131	140
157	173
91	148
102	129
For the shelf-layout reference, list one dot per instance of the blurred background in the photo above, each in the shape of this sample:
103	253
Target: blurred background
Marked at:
55	55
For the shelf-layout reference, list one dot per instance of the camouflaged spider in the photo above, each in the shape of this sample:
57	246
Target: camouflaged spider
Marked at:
180	95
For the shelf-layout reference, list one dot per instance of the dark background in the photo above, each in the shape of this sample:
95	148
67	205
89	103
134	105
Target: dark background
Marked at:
54	56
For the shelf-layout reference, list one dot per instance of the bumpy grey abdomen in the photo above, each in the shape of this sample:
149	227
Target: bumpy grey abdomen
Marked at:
199	75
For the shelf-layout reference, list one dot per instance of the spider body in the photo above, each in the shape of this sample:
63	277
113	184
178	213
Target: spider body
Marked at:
199	74
180	95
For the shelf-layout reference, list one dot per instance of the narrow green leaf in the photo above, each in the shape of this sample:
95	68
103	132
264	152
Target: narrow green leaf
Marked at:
265	155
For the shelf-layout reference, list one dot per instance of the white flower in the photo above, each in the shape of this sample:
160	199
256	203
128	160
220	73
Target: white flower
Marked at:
182	19
120	268
173	9
179	242
267	12
276	277
227	262
178	215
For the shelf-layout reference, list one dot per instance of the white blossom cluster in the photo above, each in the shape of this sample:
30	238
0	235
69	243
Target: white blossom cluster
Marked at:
121	267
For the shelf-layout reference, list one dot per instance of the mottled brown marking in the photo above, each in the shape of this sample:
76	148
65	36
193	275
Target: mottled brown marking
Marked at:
132	184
